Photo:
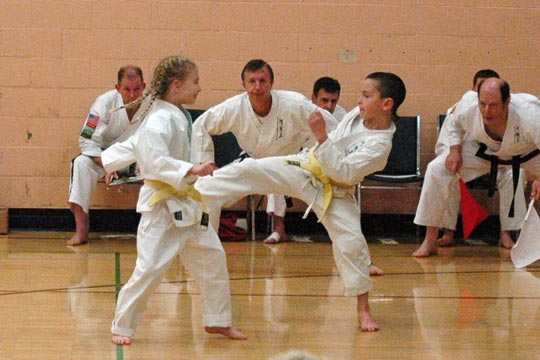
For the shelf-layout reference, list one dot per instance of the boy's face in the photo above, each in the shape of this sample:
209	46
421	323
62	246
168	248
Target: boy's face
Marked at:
370	101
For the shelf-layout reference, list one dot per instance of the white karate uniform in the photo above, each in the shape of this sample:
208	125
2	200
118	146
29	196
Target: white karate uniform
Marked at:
440	197
285	130
161	148
100	130
339	112
504	173
350	153
276	204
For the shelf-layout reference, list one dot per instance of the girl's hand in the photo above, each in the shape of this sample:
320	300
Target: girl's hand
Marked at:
109	177
202	169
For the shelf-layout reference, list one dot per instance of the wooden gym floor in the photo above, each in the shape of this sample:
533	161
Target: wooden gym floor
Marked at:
469	302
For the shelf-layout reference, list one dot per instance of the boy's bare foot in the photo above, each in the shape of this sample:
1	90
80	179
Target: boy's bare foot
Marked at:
229	332
374	270
425	250
367	324
505	240
364	314
121	340
77	240
447	239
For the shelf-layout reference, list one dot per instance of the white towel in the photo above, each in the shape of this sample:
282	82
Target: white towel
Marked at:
527	247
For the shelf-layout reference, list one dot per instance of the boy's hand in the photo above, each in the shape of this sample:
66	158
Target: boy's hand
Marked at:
318	126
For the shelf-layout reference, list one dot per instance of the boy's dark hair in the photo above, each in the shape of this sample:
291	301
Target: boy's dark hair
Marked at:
257	64
130	71
390	86
504	88
327	84
484	74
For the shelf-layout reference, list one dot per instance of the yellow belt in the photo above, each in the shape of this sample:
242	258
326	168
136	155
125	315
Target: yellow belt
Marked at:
166	191
315	168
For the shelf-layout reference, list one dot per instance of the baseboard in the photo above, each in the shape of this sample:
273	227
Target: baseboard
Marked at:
103	220
62	220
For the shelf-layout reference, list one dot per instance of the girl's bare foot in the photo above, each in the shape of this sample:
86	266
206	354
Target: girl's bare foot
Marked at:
121	340
229	332
375	271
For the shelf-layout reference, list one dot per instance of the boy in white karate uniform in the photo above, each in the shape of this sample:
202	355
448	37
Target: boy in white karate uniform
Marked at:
326	176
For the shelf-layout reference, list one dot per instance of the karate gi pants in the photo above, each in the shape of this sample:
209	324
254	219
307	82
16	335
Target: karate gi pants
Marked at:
84	178
276	205
158	244
270	175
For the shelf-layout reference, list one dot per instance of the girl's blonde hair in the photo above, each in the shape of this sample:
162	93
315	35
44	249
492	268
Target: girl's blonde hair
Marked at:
169	69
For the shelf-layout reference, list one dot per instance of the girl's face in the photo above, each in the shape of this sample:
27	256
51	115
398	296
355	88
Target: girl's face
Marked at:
189	88
370	101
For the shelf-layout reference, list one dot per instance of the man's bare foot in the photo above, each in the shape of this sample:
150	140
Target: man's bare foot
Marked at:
229	332
81	226
77	240
447	239
425	250
278	234
505	240
275	237
374	270
121	340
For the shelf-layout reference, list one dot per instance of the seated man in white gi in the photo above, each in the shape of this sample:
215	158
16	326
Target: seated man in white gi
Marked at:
496	130
100	130
326	93
265	122
504	175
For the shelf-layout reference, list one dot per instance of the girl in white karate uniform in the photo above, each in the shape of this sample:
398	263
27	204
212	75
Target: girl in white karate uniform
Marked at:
172	218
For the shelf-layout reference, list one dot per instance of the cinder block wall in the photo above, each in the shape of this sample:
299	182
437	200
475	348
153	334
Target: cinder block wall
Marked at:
57	56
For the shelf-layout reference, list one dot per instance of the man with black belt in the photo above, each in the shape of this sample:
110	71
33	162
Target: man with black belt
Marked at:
504	176
509	129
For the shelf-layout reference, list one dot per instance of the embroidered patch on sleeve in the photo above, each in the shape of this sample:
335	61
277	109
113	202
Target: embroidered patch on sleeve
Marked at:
90	126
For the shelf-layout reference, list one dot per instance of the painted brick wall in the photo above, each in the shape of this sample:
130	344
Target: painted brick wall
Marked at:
57	56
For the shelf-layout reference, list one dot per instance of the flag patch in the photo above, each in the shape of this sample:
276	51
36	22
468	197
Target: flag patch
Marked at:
90	126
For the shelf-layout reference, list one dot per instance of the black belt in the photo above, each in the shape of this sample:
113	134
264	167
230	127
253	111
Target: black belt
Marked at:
494	160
